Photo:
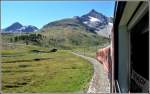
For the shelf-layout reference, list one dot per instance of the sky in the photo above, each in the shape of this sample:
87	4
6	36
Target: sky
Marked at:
39	13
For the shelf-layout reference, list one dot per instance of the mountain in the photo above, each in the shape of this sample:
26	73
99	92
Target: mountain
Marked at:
77	31
93	21
17	27
70	23
97	22
89	30
68	34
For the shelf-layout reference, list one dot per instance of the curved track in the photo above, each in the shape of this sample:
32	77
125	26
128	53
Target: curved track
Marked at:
99	82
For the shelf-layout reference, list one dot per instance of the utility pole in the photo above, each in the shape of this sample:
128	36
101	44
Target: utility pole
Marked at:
84	50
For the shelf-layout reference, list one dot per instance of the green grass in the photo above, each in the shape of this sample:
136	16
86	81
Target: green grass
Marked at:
89	51
58	72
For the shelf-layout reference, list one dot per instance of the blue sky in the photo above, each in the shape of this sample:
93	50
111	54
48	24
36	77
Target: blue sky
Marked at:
39	13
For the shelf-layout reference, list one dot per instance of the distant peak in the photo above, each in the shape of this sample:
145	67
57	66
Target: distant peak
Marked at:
17	23
93	11
31	26
17	27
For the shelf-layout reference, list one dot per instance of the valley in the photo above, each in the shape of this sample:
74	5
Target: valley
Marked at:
42	60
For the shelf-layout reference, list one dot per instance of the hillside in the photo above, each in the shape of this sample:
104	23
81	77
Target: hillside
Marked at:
91	29
70	32
93	21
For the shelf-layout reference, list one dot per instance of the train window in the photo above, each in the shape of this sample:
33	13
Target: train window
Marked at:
140	56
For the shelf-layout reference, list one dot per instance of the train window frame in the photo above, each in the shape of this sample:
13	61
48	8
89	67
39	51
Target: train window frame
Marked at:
135	34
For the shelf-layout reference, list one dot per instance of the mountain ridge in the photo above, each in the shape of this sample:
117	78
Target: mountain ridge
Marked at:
93	21
68	33
17	28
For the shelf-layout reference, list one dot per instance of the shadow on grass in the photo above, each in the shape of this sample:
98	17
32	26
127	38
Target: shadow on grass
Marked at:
35	59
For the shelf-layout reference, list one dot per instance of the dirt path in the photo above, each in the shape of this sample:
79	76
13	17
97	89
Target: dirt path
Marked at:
99	82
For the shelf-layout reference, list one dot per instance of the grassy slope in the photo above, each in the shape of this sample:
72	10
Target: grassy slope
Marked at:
64	34
61	72
66	38
89	51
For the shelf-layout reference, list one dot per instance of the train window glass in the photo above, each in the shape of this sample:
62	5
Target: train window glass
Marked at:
140	56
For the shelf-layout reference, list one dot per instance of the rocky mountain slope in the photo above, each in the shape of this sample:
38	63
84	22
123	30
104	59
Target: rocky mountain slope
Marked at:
93	21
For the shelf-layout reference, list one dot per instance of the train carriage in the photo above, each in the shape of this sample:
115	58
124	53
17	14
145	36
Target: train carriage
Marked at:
130	43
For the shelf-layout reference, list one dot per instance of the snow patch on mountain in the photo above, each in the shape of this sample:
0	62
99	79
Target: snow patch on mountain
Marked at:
97	22
17	28
92	19
106	32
